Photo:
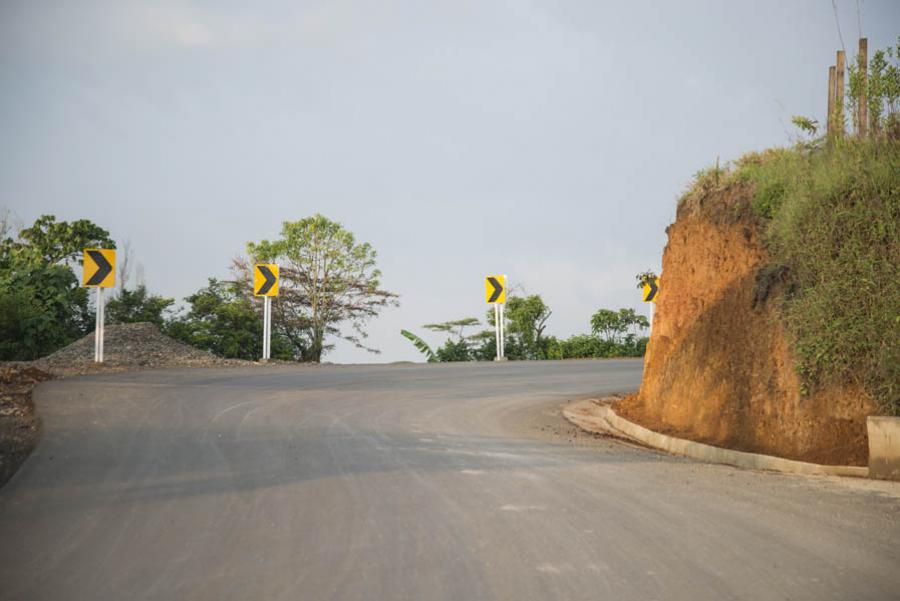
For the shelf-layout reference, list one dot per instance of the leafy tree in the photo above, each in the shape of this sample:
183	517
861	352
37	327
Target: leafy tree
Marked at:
44	306
611	325
328	281
607	324
525	320
22	335
628	318
221	319
882	89
52	242
138	305
527	317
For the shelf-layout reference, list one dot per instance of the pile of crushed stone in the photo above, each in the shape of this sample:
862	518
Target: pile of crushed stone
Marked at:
127	347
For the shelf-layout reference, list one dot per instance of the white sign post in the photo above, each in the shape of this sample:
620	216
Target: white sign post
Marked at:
99	272
501	328
99	327
267	329
497	332
265	284
495	294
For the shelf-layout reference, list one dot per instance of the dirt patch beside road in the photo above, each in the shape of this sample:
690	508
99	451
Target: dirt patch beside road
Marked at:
19	426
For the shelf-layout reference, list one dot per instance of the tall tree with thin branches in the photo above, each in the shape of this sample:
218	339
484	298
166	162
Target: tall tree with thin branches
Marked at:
330	285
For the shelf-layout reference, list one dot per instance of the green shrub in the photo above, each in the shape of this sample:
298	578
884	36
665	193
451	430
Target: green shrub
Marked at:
453	350
224	321
838	234
138	305
24	331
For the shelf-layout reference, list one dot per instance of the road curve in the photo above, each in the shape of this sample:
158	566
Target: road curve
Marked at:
409	482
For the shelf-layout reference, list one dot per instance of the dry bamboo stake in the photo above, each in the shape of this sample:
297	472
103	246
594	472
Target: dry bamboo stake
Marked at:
863	109
829	128
839	95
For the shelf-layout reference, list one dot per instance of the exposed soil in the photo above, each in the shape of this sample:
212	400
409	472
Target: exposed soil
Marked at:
19	427
719	367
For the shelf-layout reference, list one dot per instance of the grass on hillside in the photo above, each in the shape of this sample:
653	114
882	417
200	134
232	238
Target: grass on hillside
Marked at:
832	215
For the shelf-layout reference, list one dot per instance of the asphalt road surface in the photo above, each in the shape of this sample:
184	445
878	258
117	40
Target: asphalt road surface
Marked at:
409	482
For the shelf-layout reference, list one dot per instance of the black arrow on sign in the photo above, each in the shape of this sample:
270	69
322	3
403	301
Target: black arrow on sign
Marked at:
270	279
103	268
653	290
498	290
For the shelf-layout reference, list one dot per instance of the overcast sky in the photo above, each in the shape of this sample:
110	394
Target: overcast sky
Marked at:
545	140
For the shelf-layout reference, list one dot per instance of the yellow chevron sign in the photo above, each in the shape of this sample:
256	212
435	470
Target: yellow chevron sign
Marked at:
265	279
495	289
99	268
651	290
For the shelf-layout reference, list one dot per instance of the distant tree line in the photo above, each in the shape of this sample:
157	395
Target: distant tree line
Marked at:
329	289
613	334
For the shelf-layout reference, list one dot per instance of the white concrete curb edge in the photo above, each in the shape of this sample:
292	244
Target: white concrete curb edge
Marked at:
594	417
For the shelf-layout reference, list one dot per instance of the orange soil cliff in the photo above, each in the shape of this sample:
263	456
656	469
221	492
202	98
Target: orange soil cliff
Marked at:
719	367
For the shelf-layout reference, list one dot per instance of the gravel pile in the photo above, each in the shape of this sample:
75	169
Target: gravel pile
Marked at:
127	347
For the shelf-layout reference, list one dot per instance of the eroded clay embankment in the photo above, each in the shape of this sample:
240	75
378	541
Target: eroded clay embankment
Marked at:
719	367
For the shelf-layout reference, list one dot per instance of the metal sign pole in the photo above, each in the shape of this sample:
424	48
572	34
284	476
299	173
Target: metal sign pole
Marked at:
98	328
267	341
502	333
102	324
503	321
497	330
265	317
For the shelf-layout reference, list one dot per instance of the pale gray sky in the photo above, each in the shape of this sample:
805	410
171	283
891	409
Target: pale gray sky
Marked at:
545	140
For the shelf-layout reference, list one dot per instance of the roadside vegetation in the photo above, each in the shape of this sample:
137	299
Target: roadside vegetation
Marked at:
329	285
329	289
42	304
830	209
613	334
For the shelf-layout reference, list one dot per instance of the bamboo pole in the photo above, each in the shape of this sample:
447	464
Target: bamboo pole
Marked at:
863	109
839	94
830	116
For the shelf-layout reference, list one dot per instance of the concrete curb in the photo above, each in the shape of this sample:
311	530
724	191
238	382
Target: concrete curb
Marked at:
593	417
884	447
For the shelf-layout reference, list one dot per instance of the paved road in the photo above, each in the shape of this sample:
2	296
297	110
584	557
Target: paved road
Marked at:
409	482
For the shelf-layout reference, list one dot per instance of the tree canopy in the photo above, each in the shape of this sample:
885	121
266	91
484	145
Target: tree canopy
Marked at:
138	305
329	285
221	319
42	304
527	317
